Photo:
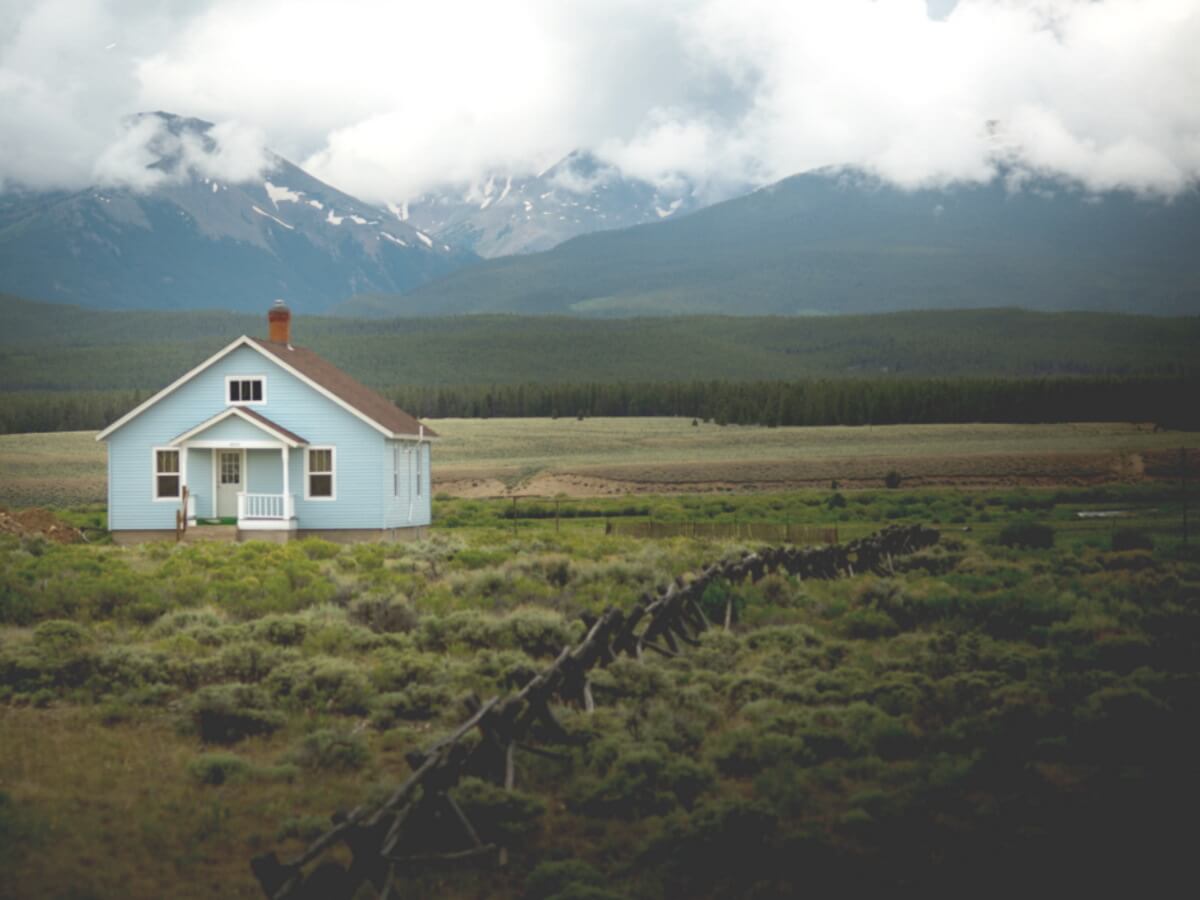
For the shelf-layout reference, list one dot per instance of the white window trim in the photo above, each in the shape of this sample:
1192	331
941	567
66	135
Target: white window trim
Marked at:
229	379
154	473
332	472
395	468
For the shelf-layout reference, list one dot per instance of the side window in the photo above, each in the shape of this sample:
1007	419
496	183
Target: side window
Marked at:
319	474
166	474
420	466
396	469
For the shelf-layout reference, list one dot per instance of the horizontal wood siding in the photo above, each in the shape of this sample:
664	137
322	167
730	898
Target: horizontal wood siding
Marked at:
396	506
264	473
199	480
292	404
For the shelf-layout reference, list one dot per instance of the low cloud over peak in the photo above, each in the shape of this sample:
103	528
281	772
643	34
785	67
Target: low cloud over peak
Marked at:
387	99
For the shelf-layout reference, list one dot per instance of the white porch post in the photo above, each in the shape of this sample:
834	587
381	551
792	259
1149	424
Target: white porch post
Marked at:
183	483
287	494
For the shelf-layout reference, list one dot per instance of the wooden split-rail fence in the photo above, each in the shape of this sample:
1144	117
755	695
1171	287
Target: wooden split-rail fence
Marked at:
387	837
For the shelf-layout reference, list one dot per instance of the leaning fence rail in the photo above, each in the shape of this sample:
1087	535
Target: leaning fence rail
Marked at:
661	621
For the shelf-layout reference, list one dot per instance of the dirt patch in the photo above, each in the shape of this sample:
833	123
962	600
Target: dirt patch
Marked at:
37	522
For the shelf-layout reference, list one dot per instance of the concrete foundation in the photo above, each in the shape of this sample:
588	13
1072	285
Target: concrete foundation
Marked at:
231	533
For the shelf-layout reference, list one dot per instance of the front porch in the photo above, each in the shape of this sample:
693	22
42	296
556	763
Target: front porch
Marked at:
237	469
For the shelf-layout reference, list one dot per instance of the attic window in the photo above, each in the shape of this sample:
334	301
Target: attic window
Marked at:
242	390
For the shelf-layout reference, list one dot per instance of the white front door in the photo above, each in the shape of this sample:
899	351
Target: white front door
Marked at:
229	482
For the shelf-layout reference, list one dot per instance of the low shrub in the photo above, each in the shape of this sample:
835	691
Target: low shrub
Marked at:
499	816
324	683
417	701
218	768
331	750
1124	539
394	615
227	713
1030	535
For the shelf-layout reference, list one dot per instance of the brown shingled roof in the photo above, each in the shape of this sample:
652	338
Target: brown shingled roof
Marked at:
357	395
259	417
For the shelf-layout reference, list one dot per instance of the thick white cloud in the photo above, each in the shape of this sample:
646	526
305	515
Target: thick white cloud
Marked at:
385	98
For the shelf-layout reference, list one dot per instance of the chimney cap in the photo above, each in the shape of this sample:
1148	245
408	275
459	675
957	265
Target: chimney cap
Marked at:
279	304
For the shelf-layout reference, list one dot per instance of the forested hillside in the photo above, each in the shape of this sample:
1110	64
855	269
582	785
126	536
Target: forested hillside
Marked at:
59	347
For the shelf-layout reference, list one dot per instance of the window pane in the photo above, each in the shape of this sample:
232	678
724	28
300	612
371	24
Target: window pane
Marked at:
167	461
245	391
235	393
256	390
168	485
320	460
320	485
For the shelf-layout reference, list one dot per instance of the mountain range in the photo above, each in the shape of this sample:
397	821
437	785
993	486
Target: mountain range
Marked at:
193	241
581	238
840	242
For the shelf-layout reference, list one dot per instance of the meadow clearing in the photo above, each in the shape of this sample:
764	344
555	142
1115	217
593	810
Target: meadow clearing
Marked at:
614	456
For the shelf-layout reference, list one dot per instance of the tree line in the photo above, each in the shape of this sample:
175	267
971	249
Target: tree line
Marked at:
1167	401
860	401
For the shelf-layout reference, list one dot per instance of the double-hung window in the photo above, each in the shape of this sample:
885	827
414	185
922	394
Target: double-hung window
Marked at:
244	390
166	474
319	474
420	468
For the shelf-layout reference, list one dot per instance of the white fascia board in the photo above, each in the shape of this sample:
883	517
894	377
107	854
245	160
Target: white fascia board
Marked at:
235	411
243	341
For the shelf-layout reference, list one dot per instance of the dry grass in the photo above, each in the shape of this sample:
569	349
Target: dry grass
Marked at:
599	456
111	811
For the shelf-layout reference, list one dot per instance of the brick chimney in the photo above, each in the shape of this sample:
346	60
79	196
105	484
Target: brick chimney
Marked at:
279	320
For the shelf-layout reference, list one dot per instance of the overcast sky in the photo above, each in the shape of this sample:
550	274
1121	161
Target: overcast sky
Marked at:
386	98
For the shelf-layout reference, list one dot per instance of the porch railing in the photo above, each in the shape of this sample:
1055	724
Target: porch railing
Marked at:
266	506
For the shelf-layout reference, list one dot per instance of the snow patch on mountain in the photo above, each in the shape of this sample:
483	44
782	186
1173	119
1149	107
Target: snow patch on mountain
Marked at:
277	194
274	218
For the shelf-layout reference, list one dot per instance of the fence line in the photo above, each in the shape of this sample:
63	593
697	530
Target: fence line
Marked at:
660	621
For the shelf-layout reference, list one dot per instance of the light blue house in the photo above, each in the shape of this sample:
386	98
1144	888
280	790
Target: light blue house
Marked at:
274	439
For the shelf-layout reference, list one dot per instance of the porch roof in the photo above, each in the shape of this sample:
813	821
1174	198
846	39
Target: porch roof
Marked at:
258	420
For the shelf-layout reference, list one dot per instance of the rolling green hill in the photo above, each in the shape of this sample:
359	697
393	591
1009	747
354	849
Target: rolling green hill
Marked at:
58	347
818	243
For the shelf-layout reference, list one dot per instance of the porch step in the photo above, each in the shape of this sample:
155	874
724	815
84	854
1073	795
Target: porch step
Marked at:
210	533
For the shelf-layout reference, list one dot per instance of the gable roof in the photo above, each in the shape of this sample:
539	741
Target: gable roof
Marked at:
256	419
354	393
322	376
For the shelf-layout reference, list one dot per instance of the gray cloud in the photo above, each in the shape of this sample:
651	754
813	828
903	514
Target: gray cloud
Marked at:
386	98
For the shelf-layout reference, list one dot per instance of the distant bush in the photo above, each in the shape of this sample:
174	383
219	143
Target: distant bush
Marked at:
218	768
836	501
498	815
331	750
325	683
892	479
385	615
227	713
1124	539
1031	535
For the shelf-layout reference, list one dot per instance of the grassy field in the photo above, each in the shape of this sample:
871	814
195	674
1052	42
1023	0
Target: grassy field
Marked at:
981	712
596	457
